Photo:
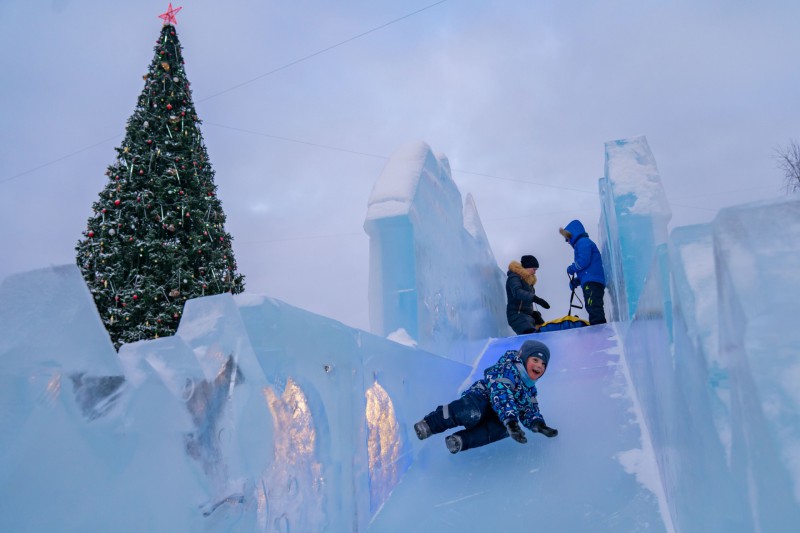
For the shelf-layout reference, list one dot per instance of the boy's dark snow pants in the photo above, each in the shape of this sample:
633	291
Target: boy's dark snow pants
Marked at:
475	413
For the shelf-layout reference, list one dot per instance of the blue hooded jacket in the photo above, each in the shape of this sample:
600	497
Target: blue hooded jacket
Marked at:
588	263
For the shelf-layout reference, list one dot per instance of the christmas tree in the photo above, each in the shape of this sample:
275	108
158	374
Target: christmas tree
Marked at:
157	235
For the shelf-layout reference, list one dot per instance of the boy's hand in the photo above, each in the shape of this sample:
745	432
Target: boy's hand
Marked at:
540	427
574	283
515	431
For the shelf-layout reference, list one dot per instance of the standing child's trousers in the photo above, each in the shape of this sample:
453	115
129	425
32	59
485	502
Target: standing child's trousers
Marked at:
593	296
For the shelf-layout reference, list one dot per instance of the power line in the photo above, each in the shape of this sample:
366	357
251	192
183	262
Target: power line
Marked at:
54	161
384	157
287	139
298	238
717	192
287	65
320	52
517	180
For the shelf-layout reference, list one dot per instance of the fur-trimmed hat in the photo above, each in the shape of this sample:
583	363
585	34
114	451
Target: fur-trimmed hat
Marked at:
531	348
564	233
528	261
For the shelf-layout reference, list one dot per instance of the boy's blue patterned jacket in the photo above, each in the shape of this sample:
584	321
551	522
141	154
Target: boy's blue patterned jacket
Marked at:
511	392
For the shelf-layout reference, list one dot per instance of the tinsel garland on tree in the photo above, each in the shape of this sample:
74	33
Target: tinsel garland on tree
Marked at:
157	235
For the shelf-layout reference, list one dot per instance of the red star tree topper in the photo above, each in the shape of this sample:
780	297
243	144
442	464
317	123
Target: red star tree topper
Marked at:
169	16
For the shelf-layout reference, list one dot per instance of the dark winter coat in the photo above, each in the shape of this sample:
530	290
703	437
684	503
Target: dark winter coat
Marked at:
521	296
510	390
588	263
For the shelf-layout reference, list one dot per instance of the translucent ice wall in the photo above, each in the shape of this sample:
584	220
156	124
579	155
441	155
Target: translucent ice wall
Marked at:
757	254
704	317
432	272
634	217
675	391
255	416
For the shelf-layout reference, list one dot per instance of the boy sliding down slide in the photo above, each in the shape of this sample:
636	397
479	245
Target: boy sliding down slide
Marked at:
493	407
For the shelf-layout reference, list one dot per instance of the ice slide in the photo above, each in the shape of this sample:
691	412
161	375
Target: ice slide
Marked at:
596	475
315	435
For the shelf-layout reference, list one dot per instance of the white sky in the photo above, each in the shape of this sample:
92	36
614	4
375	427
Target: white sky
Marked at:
303	103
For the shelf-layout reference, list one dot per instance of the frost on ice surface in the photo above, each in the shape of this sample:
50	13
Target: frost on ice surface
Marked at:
401	336
631	168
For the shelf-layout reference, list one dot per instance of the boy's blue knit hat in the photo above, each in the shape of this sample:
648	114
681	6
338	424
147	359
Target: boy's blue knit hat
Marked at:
531	348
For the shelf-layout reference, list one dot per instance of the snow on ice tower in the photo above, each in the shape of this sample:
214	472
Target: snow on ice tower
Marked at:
432	272
634	208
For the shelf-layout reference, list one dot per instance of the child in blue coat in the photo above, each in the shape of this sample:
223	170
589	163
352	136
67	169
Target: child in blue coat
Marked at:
493	407
587	269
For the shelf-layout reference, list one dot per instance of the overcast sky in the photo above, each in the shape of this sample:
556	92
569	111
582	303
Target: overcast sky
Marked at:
303	101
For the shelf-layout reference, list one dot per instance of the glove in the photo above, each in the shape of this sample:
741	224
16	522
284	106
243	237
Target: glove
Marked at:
571	269
537	318
574	283
540	427
515	431
542	302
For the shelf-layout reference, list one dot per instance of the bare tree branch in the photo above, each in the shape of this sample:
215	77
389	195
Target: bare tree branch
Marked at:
789	162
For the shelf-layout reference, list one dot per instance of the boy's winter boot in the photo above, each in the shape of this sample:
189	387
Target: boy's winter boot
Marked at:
453	443
423	430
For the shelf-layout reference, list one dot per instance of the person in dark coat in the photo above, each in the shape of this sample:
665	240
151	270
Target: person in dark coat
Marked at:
492	408
520	312
586	271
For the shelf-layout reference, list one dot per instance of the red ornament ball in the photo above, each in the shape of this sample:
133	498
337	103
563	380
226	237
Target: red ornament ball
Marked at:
169	106
135	296
91	234
117	202
141	172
